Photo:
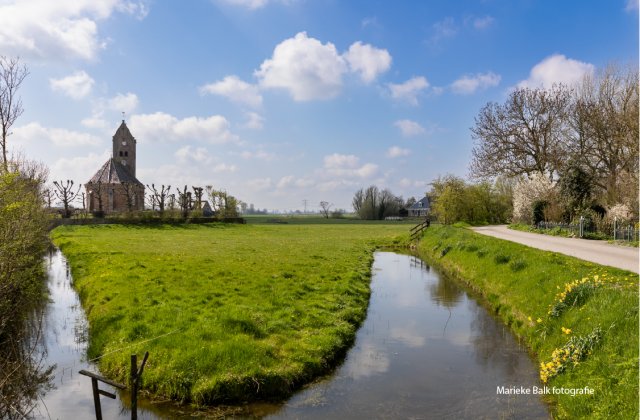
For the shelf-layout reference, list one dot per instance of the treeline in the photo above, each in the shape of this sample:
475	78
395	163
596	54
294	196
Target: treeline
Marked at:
375	204
573	149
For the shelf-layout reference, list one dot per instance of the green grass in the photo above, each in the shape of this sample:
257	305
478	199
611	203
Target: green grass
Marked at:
244	312
521	285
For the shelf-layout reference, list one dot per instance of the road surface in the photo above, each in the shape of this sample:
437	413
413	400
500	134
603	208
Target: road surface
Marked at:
598	252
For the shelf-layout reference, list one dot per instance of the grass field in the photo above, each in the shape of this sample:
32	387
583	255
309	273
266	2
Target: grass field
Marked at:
244	311
584	333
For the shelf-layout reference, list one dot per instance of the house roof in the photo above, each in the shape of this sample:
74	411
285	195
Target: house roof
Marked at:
423	203
113	172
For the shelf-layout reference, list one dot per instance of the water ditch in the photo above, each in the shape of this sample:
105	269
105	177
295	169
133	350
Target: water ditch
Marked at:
427	349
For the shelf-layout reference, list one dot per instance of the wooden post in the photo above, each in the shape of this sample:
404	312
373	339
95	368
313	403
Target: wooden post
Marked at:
134	387
96	398
136	374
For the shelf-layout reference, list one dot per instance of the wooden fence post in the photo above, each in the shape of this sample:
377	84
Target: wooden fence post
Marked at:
136	374
97	392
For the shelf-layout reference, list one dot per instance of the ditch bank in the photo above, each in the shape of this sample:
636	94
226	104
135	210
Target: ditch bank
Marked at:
579	319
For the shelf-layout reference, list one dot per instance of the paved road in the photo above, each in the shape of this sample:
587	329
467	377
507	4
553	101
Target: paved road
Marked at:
598	252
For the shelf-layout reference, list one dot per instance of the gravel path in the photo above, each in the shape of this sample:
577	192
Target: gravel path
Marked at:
598	252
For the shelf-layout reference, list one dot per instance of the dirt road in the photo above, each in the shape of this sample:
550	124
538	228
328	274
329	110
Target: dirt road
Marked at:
598	252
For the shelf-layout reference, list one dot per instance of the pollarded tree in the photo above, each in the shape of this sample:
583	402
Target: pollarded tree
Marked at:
324	208
66	193
523	136
159	197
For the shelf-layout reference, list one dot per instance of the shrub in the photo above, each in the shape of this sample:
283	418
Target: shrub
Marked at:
501	259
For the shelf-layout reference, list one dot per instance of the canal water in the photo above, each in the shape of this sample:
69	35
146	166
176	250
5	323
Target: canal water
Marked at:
426	350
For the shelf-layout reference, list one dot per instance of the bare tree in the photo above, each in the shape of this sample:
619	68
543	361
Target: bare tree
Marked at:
130	194
523	136
324	208
65	193
184	201
159	197
197	192
12	73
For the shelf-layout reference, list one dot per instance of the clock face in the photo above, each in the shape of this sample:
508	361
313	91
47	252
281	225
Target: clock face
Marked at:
124	143
124	163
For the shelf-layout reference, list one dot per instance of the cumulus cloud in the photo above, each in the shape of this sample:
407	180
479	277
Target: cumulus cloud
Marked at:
367	60
77	85
557	69
248	4
189	154
443	29
305	67
35	133
309	69
409	90
259	155
338	165
409	128
236	90
127	102
58	29
467	85
259	184
291	181
396	151
161	126
78	168
223	167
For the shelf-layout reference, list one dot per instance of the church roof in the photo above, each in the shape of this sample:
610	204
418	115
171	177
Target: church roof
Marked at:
113	172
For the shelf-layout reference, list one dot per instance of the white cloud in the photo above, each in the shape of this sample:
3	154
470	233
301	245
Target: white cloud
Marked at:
305	67
259	155
123	102
248	4
255	121
58	29
223	167
96	120
338	165
367	60
409	90
409	128
165	127
35	133
77	85
188	154
557	69
483	22
467	85
236	90
80	168
259	184
443	29
396	151
632	5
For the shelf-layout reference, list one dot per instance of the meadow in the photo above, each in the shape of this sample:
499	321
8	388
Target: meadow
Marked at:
579	319
228	313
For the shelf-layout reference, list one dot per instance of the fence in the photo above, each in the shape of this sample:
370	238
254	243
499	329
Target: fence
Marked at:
586	228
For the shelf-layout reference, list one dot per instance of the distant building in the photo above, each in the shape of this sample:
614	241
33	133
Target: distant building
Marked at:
421	208
114	186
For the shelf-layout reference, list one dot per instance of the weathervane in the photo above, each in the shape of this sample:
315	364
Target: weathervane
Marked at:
122	116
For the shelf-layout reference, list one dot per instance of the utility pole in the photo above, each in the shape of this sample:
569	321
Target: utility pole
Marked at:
305	205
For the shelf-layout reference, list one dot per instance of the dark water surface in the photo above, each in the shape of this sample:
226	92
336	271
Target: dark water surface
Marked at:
426	350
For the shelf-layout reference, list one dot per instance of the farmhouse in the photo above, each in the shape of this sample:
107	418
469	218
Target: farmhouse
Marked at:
114	187
421	208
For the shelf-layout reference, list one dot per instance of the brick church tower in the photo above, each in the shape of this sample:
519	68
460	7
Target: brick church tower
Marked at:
114	187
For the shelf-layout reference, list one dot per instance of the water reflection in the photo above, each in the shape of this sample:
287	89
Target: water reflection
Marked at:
426	350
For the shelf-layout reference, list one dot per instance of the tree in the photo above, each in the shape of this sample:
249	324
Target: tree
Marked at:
66	194
523	136
130	194
197	192
374	204
159	197
223	204
184	201
324	208
12	74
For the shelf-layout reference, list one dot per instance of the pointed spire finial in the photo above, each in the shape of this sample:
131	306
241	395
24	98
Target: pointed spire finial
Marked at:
122	116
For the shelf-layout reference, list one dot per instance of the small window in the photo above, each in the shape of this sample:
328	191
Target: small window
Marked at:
126	153
120	152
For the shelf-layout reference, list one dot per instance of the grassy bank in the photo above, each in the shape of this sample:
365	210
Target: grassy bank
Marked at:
584	333
241	311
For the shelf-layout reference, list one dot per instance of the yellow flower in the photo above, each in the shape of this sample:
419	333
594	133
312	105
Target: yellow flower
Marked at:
529	318
566	330
538	320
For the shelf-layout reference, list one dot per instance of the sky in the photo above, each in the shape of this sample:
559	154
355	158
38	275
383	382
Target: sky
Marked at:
282	101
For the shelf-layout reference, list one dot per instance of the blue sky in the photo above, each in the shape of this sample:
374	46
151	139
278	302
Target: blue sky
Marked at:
277	101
